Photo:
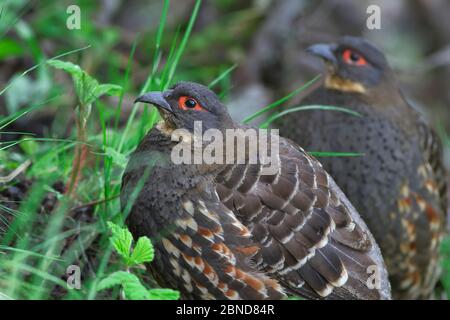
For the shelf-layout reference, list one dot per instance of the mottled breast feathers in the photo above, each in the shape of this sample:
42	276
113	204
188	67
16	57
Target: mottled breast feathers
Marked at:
308	236
237	234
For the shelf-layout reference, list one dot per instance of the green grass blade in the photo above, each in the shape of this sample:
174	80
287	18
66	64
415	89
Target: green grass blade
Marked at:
4	296
42	63
306	108
445	137
164	83
162	25
319	154
13	117
12	143
21	225
157	54
222	76
29	253
282	100
184	41
22	11
126	81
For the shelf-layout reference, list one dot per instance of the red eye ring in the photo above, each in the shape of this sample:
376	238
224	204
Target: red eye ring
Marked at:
189	103
354	58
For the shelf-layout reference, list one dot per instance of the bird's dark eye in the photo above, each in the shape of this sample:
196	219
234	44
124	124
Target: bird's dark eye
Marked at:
189	103
351	57
354	57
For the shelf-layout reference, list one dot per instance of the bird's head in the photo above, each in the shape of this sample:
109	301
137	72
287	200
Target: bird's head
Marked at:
186	103
354	65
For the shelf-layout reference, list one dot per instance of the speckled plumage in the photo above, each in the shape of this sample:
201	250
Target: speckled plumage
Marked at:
228	232
398	185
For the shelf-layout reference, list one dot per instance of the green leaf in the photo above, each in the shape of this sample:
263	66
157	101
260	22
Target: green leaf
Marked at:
134	290
163	294
142	252
109	89
132	286
121	240
84	83
69	67
87	88
114	279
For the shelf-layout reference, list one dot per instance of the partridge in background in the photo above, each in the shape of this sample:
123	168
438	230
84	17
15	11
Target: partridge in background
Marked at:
226	231
398	185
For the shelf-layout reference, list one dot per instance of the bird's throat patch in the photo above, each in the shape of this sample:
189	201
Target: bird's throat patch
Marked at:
165	128
337	83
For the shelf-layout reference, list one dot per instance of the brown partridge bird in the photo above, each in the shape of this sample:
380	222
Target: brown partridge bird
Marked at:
232	231
398	185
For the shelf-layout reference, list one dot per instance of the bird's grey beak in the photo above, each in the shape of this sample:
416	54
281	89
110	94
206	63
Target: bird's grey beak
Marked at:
157	99
324	51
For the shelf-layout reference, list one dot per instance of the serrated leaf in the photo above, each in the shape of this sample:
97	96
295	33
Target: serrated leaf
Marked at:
69	67
114	279
109	89
87	88
121	240
142	252
163	294
134	290
132	287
